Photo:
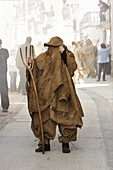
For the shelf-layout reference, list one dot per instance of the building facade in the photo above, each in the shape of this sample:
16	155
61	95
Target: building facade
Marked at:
111	30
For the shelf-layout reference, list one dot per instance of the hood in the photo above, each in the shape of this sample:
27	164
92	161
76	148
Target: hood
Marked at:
55	41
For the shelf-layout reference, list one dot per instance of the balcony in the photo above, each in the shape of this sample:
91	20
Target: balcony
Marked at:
91	19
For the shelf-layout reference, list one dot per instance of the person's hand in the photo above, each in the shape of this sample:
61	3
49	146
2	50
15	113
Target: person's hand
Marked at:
61	49
30	60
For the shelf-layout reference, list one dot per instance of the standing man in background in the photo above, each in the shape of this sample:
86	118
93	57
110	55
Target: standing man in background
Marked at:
103	60
12	70
27	45
4	54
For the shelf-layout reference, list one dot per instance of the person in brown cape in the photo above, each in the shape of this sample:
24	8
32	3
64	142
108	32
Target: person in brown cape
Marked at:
58	101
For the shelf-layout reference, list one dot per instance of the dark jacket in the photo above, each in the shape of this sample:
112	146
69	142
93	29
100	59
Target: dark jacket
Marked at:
4	54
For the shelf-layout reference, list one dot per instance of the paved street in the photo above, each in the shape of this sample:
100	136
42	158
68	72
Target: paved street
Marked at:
92	151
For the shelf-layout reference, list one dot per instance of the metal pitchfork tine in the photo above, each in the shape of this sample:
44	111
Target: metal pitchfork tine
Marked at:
29	68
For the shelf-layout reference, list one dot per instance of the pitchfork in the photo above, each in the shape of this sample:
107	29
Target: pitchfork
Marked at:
29	67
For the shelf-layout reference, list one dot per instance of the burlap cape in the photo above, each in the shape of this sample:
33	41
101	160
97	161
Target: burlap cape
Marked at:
85	58
56	92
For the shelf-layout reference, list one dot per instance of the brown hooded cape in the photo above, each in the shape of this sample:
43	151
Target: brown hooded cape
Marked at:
56	92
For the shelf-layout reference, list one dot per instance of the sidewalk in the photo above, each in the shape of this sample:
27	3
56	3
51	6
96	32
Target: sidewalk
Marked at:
16	101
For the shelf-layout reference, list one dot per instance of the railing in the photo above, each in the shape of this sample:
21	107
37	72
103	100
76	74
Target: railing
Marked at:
91	19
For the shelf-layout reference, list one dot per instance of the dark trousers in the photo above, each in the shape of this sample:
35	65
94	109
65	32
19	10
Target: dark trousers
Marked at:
4	91
102	66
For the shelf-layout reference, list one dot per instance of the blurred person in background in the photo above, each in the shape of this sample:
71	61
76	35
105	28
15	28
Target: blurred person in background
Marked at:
96	54
73	46
4	54
22	70
103	60
39	48
12	70
90	58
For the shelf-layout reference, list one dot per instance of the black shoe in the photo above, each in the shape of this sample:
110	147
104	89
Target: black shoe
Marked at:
5	110
46	148
65	148
104	80
98	80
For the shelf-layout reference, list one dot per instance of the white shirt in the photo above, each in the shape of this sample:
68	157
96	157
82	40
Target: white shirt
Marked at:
19	62
103	55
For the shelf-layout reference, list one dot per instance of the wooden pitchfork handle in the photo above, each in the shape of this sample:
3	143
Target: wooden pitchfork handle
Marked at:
29	67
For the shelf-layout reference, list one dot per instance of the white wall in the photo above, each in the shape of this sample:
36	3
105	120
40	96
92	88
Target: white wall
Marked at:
94	33
112	28
112	38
